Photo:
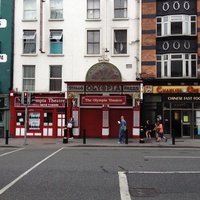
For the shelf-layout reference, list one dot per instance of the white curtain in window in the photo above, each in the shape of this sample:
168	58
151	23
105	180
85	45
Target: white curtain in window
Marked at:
30	9
56	9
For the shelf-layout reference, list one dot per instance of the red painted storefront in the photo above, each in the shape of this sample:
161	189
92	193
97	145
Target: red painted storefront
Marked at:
96	111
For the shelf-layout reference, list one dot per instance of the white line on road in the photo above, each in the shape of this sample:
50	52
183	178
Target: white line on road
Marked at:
123	185
161	172
11	152
26	172
173	157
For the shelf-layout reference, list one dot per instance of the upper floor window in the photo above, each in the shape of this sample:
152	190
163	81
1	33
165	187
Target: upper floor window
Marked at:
120	8
120	41
93	9
93	42
176	66
176	25
30	9
29	41
55	78
56	42
0	8
56	9
29	78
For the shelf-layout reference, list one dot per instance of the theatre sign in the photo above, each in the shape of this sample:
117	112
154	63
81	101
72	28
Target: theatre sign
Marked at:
117	88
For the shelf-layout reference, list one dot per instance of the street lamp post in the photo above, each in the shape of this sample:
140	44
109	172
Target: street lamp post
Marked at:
65	139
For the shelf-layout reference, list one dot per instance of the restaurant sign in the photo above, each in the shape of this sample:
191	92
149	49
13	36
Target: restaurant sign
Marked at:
103	100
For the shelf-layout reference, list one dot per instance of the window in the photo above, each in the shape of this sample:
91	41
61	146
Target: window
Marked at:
56	42
176	66
29	42
176	25
30	9
93	9
120	7
55	78
29	77
0	8
120	42
93	42
56	10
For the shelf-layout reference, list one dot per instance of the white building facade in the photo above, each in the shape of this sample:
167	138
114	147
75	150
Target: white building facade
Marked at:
60	41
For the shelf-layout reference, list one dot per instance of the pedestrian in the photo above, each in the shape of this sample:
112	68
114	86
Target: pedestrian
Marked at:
122	129
70	127
148	130
160	132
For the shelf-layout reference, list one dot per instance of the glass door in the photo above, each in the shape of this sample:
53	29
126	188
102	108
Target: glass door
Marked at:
186	123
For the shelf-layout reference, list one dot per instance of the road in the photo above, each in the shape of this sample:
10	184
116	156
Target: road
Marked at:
83	173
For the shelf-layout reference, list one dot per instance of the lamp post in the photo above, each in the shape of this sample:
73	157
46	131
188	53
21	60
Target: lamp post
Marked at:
65	139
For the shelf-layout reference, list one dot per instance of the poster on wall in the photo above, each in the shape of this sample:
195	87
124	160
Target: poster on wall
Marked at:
34	121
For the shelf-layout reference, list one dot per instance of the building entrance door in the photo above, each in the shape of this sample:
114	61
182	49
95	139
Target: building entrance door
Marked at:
186	123
181	123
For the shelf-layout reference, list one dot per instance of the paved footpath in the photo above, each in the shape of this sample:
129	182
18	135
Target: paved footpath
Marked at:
96	142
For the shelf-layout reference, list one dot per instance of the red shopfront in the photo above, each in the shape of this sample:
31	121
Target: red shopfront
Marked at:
99	106
45	117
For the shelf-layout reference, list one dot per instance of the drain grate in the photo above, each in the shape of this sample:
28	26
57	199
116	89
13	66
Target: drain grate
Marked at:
143	192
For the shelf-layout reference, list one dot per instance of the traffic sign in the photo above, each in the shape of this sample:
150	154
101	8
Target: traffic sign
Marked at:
3	58
3	23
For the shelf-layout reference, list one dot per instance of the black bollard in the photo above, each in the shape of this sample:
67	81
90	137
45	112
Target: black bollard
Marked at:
84	136
173	137
126	136
65	139
7	136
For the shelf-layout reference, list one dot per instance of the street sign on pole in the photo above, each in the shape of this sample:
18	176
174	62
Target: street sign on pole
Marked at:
3	23
3	58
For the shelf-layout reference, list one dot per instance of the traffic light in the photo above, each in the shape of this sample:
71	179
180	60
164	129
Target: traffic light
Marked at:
25	98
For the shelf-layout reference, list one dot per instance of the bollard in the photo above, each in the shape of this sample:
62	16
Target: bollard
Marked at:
141	135
173	137
126	135
65	139
84	136
7	136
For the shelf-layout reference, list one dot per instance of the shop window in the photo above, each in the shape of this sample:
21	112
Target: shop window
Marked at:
120	8
29	42
93	42
30	10
28	78
34	121
93	9
120	41
56	9
176	66
176	25
48	119
20	119
55	78
56	42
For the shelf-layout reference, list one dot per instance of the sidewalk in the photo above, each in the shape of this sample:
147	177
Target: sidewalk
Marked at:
96	142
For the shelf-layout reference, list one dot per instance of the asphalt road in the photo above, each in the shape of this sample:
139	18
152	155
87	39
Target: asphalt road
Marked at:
99	174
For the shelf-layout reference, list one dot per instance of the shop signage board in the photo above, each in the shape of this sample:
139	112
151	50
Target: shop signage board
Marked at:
3	58
103	100
103	88
3	23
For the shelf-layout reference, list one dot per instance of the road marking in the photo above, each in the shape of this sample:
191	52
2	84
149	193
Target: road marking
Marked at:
11	152
123	185
173	157
161	172
26	172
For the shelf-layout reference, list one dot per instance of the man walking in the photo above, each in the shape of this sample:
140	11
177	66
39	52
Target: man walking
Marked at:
122	129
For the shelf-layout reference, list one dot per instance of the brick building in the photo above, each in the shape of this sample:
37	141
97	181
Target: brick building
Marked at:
170	65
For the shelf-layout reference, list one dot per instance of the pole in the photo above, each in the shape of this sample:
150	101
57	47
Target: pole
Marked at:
65	139
173	137
25	128
84	136
126	134
6	136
